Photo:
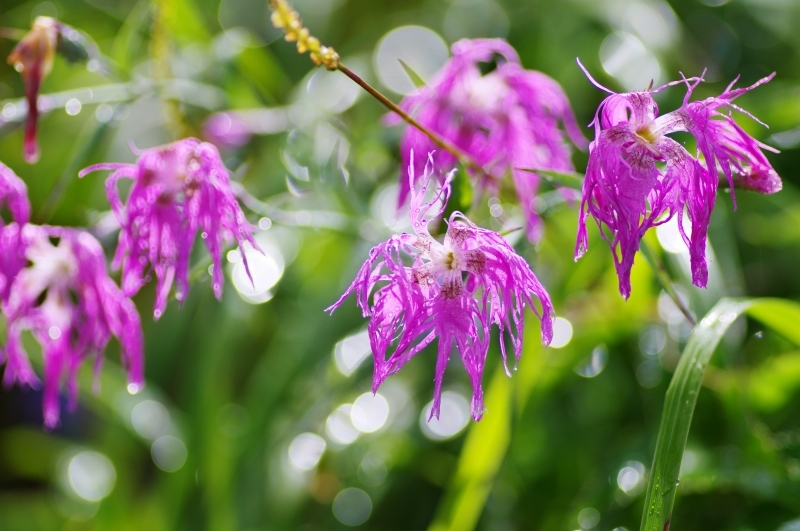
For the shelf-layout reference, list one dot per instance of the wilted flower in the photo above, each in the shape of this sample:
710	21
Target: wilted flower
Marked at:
178	189
638	177
455	290
33	58
14	196
67	300
504	120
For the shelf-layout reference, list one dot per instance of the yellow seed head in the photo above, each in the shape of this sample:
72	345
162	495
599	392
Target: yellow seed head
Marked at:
287	19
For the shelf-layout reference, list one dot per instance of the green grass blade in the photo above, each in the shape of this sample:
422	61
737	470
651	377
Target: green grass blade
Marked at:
780	315
679	408
412	75
561	178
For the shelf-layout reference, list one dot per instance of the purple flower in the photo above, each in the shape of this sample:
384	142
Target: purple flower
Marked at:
178	189
638	177
13	195
455	290
71	306
227	130
506	119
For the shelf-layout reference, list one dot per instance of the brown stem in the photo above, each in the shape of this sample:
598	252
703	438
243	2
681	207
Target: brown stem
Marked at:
436	139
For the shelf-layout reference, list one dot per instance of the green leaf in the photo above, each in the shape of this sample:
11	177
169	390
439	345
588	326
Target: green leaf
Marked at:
782	315
561	178
413	76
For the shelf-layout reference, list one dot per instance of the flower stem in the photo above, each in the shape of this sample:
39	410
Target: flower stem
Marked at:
287	19
663	279
161	52
389	104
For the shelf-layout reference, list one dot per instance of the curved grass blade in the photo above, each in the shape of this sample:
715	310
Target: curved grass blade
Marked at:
561	178
682	394
679	408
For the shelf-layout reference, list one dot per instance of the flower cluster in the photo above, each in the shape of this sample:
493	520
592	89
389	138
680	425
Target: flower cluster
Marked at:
455	290
638	177
504	120
61	293
178	189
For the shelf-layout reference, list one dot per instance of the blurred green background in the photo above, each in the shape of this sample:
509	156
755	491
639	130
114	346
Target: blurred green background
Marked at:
257	413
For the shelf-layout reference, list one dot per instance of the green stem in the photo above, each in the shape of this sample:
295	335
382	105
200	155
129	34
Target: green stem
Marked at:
666	283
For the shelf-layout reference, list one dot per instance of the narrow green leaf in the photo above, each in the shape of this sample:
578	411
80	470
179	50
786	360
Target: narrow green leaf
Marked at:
413	76
561	178
679	408
780	315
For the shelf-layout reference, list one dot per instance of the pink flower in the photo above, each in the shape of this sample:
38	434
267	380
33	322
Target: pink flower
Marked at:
455	290
638	177
178	189
67	300
227	130
506	119
14	196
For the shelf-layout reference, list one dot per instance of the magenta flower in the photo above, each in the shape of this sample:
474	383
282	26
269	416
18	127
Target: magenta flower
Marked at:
455	290
504	120
71	306
638	177
227	130
14	196
178	189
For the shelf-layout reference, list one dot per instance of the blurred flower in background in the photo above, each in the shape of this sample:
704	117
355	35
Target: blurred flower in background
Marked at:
506	120
33	58
66	299
178	189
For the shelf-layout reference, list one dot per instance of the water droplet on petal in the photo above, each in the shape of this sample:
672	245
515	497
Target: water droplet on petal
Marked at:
156	313
204	235
133	388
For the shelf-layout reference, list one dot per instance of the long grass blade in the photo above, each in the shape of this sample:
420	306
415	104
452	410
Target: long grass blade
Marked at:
782	315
